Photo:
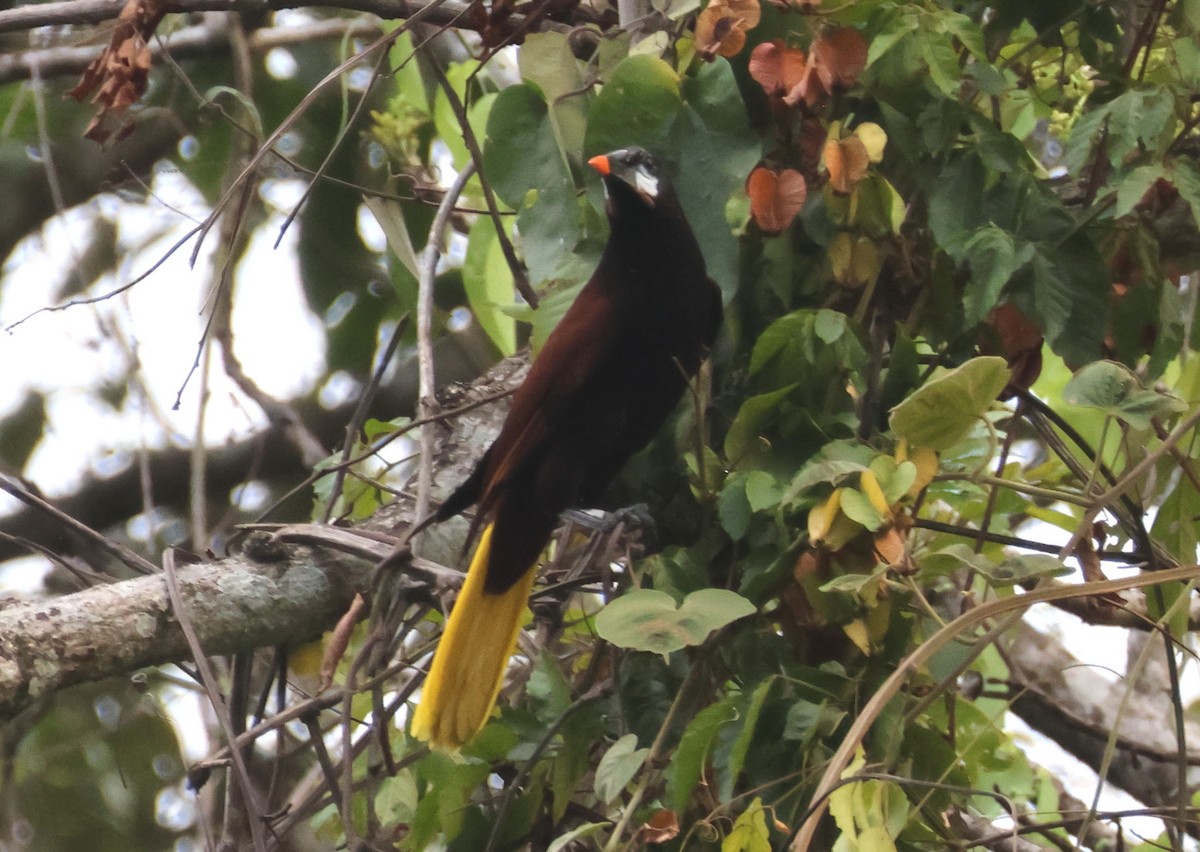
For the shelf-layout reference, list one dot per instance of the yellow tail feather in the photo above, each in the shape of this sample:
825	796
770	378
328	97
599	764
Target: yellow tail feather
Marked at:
468	667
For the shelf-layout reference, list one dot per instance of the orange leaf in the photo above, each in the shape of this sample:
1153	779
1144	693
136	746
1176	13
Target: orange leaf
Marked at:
847	161
775	197
721	28
119	75
776	67
839	57
662	827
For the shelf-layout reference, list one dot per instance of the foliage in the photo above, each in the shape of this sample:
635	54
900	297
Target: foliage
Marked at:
953	242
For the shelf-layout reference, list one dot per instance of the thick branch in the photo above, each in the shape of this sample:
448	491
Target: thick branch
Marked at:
290	595
280	590
75	12
187	43
1078	707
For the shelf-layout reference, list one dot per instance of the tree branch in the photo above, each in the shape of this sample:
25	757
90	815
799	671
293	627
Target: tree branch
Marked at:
270	594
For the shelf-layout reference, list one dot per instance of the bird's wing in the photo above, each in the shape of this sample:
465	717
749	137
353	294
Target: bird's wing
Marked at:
580	341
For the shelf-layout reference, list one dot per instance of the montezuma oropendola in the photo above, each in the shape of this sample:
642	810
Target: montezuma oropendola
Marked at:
604	382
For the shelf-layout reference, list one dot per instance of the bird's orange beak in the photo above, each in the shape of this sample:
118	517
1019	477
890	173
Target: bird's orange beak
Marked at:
600	163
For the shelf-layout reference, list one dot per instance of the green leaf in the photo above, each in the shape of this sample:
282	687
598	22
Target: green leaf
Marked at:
1018	569
618	766
488	281
762	491
636	106
529	172
818	472
1175	525
647	619
449	786
992	255
1186	178
749	833
941	412
1134	185
1114	389
582	832
750	708
858	508
546	60
948	560
692	756
389	215
733	507
956	199
744	439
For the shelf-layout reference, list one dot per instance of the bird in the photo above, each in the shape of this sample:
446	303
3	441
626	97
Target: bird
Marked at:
605	380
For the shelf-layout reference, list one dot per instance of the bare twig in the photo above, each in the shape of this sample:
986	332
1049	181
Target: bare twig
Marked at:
118	551
209	680
510	255
426	404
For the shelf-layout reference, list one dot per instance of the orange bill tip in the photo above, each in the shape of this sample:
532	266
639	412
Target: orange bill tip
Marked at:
600	163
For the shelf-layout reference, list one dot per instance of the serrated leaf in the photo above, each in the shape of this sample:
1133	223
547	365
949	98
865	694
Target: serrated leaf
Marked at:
941	413
618	766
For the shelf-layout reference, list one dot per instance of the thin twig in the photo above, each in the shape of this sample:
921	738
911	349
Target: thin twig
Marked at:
510	255
121	553
209	680
426	403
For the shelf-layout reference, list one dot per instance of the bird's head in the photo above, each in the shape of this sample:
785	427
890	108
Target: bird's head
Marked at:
635	168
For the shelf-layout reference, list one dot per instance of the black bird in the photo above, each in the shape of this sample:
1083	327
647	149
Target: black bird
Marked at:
607	377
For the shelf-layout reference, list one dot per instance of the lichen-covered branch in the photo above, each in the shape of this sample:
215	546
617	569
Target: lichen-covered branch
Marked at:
281	594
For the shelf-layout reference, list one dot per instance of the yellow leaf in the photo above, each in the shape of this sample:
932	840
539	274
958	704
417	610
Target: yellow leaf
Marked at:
820	518
870	487
866	264
856	630
926	461
874	139
841	256
749	833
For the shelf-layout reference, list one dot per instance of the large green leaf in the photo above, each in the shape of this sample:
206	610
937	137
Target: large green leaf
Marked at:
648	620
698	126
941	412
528	171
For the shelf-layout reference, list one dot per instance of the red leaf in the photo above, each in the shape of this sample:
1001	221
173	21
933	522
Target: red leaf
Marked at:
775	197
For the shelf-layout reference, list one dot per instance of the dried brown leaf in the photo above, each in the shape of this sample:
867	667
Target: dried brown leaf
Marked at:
119	75
721	28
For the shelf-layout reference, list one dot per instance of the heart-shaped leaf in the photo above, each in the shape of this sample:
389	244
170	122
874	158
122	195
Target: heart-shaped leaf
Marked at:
648	620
